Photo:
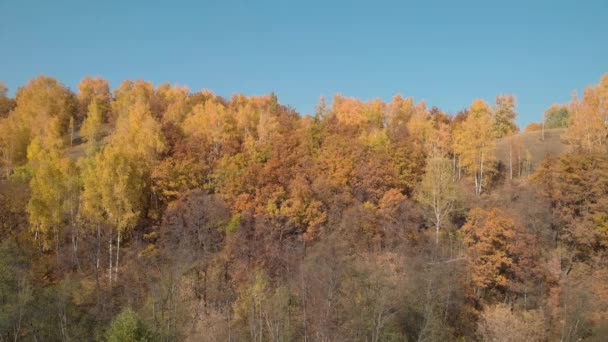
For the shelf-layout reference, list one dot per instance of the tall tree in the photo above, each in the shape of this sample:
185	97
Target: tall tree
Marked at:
213	122
127	95
14	139
500	251
438	191
123	169
93	90
48	192
576	186
92	127
588	126
557	116
475	143
43	109
170	103
504	116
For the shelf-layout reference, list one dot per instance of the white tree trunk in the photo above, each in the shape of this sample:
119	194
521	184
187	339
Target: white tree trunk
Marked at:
481	174
97	256
111	256
437	232
511	158
117	254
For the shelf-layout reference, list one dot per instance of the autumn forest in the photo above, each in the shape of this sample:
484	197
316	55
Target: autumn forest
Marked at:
158	213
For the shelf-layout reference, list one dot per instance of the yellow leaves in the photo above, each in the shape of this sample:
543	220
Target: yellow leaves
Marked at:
588	126
34	150
438	188
504	116
172	102
501	323
401	109
94	90
120	185
14	139
54	137
338	164
267	127
369	206
375	113
233	224
421	127
117	180
49	188
91	197
533	127
377	141
600	221
43	109
351	111
474	142
271	208
138	133
408	164
129	93
92	126
302	208
348	111
229	176
489	236
206	121
479	107
173	176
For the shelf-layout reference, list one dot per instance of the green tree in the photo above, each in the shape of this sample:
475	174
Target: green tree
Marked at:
127	327
16	291
557	116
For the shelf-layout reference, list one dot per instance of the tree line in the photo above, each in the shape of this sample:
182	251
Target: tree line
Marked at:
154	213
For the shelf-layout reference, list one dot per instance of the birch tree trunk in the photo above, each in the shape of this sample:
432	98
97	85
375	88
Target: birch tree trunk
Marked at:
111	256
511	158
117	254
481	175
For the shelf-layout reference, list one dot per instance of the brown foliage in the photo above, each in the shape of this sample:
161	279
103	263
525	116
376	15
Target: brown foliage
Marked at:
500	251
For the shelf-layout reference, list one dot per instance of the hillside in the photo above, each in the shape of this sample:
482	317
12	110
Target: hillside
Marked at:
180	216
532	148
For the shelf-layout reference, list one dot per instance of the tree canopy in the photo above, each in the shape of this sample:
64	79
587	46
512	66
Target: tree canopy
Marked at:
154	212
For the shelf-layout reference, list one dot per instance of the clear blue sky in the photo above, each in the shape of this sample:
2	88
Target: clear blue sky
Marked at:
445	52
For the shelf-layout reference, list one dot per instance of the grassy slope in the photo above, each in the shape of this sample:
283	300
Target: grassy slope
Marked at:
533	146
79	147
